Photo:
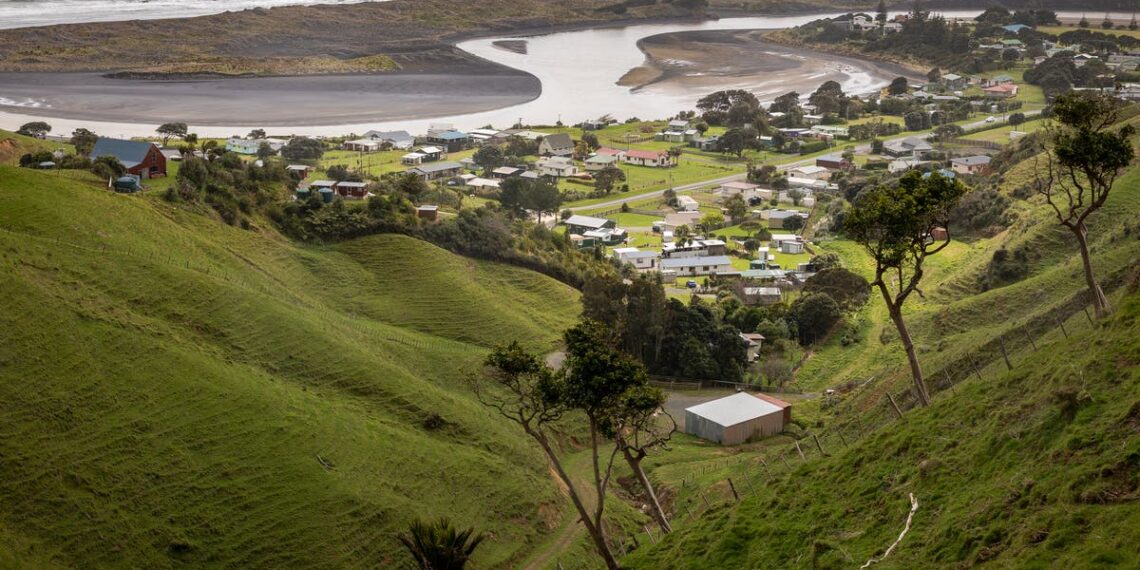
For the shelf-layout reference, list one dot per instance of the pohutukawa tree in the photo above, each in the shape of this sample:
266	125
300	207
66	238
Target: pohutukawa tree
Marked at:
897	225
1084	157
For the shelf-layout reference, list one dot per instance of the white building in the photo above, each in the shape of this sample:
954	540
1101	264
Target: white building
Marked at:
641	260
687	204
735	419
714	265
556	166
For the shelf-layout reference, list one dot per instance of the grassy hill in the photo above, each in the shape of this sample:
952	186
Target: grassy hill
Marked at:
1034	467
176	391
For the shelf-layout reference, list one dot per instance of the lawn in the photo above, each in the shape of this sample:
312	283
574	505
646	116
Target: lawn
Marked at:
1001	134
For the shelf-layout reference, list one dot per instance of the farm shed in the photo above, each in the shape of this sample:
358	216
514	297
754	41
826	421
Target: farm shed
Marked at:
734	419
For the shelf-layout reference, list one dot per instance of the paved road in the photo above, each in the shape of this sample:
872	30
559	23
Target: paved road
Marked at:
618	202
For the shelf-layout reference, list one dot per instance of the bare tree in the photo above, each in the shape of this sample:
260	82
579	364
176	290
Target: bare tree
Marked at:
1083	160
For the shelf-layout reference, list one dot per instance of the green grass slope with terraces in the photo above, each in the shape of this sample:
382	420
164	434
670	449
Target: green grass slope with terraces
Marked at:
178	392
1035	467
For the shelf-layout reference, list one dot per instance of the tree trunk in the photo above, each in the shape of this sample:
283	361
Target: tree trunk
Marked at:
904	335
1099	301
596	532
655	505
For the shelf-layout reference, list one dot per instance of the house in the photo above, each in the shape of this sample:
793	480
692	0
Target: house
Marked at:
833	162
607	151
708	265
581	224
761	295
487	136
737	187
754	341
450	139
557	144
142	159
809	184
971	164
641	260
903	164
791	247
556	166
777	218
424	154
655	158
678	131
707	144
811	172
998	80
352	190
954	82
427	212
436	170
396	139
696	248
1015	28
674	221
251	146
171	154
362	145
505	172
1002	91
299	171
910	146
778	239
738	418
606	236
600	161
687	204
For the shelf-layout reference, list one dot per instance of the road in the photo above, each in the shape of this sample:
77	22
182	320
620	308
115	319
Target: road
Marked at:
618	201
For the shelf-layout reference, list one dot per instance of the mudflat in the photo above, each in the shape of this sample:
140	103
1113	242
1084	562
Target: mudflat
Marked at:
269	101
702	61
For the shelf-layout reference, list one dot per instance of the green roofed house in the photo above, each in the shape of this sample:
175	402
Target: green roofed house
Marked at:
600	161
436	170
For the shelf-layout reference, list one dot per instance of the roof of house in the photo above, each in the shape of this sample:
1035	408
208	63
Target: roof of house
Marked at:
637	254
347	184
437	167
785	214
680	262
559	141
506	170
323	183
909	143
979	160
1014	27
611	151
951	77
762	292
586	221
430	150
602	159
130	153
1003	88
448	135
389	135
832	158
737	408
740	185
809	169
646	154
364	142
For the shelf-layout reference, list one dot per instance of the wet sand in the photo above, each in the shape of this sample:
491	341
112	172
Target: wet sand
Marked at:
703	61
270	101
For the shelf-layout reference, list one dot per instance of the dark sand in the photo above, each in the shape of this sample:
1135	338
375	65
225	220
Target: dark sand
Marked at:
269	101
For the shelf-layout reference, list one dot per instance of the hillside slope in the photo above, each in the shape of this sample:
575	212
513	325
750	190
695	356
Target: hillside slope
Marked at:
175	391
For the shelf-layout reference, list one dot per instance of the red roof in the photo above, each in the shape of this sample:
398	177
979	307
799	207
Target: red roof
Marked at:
609	151
771	400
646	154
1003	88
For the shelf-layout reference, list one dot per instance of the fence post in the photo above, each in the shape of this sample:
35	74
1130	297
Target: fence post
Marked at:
891	399
647	531
1062	325
732	488
975	366
1030	337
802	457
817	444
1089	317
949	379
1004	354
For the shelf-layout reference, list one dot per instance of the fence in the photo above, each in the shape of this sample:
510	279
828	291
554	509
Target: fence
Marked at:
751	471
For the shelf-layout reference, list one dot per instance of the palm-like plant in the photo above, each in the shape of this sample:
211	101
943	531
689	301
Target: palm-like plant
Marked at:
439	545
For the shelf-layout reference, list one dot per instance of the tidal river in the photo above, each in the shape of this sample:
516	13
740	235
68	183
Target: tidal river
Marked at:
579	72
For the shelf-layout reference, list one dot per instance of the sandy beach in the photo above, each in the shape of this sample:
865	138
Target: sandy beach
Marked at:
702	61
270	101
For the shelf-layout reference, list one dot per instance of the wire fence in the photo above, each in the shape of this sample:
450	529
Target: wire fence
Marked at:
751	472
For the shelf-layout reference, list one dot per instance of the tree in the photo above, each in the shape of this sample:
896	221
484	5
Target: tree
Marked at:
849	290
814	315
606	178
1016	119
439	545
934	75
794	223
591	141
256	134
796	196
711	221
108	167
827	260
881	13
543	198
636	428
737	140
521	388
264	151
737	208
84	141
898	86
38	129
1084	159
303	148
172	130
895	224
1084	23
513	196
489	157
947	133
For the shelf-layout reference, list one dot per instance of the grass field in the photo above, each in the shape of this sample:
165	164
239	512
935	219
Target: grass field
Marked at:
180	392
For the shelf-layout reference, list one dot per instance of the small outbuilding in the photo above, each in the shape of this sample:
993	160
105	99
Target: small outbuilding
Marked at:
735	419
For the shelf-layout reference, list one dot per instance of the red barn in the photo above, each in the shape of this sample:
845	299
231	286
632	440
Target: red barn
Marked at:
142	159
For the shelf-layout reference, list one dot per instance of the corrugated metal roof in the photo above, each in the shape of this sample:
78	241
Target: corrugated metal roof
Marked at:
132	152
735	409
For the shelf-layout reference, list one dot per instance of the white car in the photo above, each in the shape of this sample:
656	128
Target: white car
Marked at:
990	119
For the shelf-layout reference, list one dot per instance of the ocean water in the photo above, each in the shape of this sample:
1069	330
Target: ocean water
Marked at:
25	13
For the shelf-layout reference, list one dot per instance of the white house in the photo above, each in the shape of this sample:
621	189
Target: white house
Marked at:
600	161
655	158
641	260
737	187
811	172
250	146
696	248
398	139
713	265
557	144
556	166
687	204
674	221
